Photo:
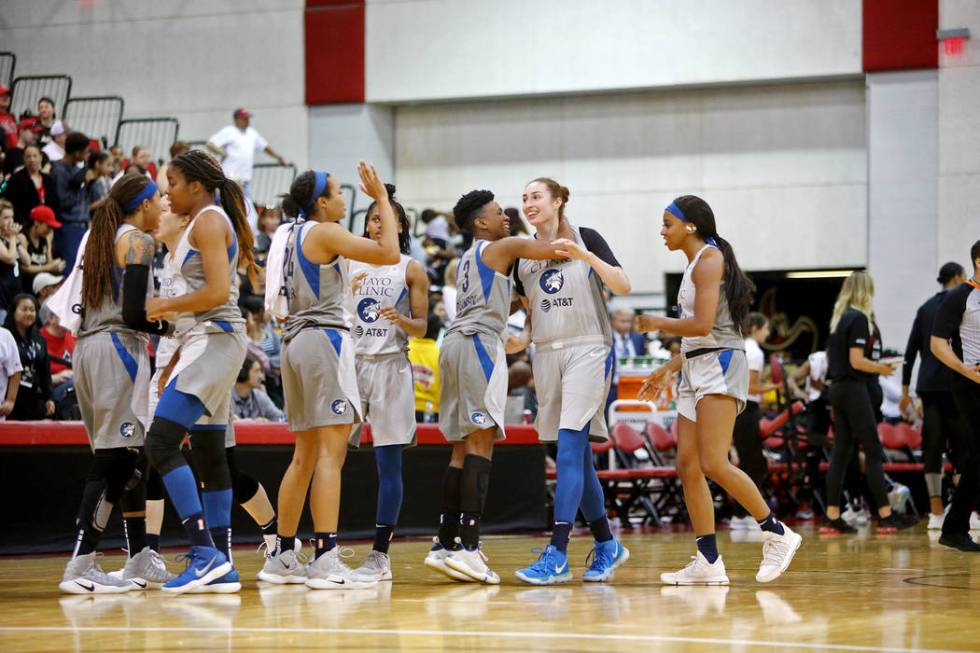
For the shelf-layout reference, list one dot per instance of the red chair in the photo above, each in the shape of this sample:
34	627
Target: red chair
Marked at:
891	437
913	437
642	483
660	440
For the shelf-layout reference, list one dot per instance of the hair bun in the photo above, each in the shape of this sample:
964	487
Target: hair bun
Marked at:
391	191
565	194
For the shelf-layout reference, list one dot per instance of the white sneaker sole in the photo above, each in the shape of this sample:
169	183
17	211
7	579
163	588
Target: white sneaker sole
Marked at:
442	568
75	587
217	588
786	561
551	580
327	584
609	572
716	580
213	574
281	580
488	577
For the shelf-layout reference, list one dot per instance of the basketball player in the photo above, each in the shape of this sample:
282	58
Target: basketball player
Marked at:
715	297
473	377
112	370
390	305
210	330
322	400
572	370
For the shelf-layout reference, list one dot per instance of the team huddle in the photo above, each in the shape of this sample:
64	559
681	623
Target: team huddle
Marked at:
348	305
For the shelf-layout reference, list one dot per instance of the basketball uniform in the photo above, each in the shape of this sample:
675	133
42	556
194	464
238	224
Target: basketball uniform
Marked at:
318	375
715	363
212	343
112	371
572	337
472	363
384	373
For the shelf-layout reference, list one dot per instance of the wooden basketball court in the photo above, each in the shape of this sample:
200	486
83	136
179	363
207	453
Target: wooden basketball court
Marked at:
868	592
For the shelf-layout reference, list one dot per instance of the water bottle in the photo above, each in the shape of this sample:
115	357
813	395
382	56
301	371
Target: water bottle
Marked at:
429	415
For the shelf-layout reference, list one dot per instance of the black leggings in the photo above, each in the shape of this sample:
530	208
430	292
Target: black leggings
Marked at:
854	424
967	397
941	428
110	475
748	444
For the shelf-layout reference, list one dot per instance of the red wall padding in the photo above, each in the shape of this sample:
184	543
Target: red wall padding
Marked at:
334	40
900	34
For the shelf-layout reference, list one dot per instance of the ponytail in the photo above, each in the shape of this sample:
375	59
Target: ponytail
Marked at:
100	248
233	202
739	289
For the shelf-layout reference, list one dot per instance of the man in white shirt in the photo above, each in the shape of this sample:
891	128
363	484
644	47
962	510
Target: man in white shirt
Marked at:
10	369
236	146
56	148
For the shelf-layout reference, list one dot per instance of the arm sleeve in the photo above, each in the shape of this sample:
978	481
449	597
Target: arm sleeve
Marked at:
136	280
951	311
912	349
596	244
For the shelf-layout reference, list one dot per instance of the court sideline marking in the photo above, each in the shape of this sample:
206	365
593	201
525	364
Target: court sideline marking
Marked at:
478	633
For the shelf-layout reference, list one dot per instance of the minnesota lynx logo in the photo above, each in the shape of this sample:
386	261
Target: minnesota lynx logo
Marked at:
480	418
551	281
127	429
339	407
369	310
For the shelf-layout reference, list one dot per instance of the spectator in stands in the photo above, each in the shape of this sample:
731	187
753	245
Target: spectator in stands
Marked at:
47	118
176	149
8	124
55	149
236	146
10	370
45	285
264	345
269	221
436	228
35	249
9	269
27	131
116	152
61	348
423	353
249	400
100	163
627	343
29	186
449	290
34	394
72	205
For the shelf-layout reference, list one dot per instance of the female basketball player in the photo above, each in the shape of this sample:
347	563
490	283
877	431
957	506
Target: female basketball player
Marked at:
112	372
211	332
473	379
390	306
572	335
319	381
715	297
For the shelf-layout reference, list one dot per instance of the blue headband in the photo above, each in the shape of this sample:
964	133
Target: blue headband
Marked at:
675	210
148	191
319	185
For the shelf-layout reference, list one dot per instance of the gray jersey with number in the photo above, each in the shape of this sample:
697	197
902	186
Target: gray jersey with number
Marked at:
482	295
319	295
724	332
566	301
383	287
107	316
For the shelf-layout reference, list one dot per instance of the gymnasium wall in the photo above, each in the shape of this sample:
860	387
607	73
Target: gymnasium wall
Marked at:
197	61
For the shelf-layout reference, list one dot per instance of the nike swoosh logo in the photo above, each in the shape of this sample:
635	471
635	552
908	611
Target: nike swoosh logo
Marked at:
138	583
207	567
90	588
559	570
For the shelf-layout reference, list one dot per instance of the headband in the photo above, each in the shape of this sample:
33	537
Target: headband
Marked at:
148	191
675	210
319	185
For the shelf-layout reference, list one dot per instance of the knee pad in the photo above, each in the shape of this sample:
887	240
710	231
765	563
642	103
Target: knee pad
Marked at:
154	485
163	445
117	467
210	461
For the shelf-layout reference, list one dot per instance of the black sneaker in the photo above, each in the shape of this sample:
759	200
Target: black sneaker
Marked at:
894	522
961	541
837	527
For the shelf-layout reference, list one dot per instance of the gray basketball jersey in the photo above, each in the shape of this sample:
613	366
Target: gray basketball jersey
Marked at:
191	273
383	287
107	316
318	295
482	295
566	301
724	334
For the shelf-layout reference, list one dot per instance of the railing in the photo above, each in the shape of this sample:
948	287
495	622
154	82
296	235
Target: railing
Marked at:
27	90
269	180
156	134
8	64
96	117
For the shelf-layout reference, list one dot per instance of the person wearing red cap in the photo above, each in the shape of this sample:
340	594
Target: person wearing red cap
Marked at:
236	146
28	130
8	124
35	247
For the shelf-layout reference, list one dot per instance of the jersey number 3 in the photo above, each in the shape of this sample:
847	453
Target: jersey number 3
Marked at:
464	285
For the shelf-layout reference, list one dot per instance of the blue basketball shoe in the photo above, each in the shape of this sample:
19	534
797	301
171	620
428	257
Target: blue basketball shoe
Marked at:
227	584
606	556
204	564
550	568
